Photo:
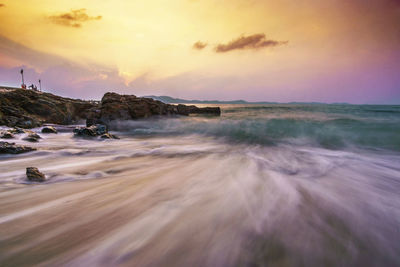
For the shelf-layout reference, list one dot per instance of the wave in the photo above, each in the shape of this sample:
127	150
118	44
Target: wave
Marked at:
332	133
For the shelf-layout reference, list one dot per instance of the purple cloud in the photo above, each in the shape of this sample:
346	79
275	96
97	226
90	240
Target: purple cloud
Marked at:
255	41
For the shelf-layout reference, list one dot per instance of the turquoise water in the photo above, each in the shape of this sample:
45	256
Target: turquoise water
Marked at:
327	126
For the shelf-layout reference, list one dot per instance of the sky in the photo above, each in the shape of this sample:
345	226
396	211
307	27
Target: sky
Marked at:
256	50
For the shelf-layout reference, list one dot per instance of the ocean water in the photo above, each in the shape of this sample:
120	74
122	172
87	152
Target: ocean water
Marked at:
262	185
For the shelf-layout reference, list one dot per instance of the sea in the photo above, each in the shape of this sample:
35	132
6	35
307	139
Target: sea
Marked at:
261	185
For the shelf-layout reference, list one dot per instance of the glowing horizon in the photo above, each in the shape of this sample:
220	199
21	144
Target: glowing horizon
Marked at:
278	51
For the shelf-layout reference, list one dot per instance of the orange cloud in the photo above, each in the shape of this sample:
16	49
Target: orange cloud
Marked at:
255	41
2	5
74	18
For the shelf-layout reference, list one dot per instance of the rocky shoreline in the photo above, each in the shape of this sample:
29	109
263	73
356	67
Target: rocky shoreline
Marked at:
28	109
22	109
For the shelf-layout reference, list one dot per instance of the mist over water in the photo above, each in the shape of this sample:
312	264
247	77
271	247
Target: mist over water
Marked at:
272	185
327	126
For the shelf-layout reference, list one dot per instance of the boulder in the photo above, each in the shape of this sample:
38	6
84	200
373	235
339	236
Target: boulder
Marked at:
49	129
34	175
6	135
12	148
32	137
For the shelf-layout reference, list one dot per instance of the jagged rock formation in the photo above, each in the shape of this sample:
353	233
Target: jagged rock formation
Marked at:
28	109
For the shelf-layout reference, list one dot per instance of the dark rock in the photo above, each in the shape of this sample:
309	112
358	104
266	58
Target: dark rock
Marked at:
49	129
28	109
206	110
100	129
90	122
186	110
85	131
33	174
128	107
32	137
12	148
94	130
6	135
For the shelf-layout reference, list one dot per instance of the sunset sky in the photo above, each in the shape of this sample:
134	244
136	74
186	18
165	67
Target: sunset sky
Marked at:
256	50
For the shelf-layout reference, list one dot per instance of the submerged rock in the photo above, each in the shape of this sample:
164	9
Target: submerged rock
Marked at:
6	135
12	148
91	131
33	174
32	137
85	131
49	129
94	131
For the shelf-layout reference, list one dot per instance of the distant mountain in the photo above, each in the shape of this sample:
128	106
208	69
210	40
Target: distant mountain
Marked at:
171	100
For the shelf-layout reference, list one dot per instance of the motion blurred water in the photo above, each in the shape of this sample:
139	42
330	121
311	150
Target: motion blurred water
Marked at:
262	185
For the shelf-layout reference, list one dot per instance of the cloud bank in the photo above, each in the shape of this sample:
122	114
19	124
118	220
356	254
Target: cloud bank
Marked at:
74	18
255	41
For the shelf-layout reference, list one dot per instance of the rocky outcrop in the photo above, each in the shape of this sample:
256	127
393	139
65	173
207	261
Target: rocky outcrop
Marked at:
33	174
27	109
12	148
187	110
128	107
